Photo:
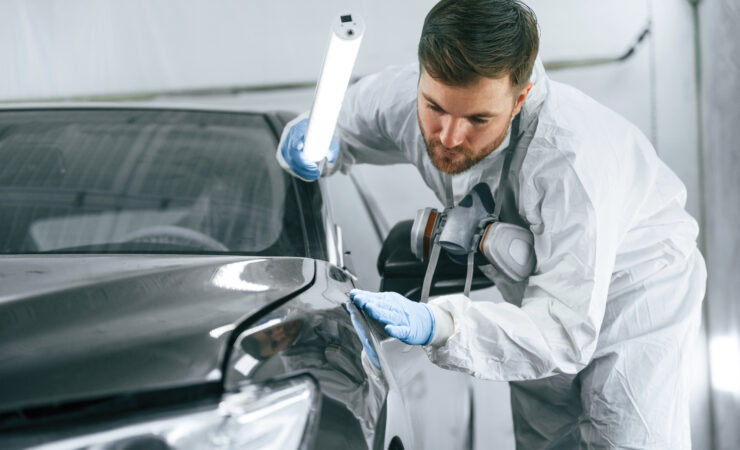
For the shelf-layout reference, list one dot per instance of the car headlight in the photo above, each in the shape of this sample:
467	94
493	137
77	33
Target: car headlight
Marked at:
277	415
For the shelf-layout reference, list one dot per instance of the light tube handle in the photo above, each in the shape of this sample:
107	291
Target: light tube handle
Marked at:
344	44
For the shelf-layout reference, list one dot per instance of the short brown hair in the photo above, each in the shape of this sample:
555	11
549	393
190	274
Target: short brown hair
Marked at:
463	40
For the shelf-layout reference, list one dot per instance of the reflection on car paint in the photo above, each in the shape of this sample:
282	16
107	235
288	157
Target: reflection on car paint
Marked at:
358	324
265	342
312	335
93	319
230	277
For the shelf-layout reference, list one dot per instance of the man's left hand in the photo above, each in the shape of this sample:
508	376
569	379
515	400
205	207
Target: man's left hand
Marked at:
408	321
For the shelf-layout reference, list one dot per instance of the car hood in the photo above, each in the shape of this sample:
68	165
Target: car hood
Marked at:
82	327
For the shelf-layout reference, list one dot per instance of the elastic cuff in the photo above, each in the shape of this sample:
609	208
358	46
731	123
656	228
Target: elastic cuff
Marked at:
444	326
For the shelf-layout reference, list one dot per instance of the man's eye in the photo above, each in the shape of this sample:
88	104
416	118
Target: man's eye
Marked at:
478	120
434	107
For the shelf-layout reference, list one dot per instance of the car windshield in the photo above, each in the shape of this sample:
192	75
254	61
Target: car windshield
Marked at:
149	181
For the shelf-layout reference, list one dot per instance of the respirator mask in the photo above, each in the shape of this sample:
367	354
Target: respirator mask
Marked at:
471	231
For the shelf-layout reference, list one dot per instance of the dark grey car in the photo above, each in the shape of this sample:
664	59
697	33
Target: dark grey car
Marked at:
164	284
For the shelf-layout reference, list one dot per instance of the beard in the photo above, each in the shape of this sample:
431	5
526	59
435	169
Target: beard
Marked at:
464	157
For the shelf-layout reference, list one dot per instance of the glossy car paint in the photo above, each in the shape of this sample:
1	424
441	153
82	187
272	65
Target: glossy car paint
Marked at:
80	327
364	406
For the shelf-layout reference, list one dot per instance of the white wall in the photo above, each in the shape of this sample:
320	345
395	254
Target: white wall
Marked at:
68	48
720	88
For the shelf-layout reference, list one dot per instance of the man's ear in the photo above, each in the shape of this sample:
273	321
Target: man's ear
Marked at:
521	97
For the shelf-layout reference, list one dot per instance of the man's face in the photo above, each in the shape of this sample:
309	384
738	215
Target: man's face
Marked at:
461	125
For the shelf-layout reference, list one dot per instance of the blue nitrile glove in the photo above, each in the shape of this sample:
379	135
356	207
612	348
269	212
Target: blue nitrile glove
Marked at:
292	151
407	321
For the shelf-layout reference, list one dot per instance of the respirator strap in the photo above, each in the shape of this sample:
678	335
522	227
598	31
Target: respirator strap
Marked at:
503	182
431	266
449	195
469	273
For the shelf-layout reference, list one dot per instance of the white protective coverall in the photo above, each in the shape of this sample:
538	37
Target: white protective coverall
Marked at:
596	342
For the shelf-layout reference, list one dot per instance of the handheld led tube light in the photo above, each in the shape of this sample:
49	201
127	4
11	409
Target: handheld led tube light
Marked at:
344	43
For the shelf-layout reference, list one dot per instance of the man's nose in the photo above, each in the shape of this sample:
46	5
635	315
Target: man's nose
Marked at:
453	133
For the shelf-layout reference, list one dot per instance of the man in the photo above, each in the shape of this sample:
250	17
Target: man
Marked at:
596	341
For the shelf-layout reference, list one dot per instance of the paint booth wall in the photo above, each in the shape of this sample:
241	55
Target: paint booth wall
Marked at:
720	92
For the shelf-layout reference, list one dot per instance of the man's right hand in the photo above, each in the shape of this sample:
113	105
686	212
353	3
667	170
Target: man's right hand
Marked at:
405	320
292	152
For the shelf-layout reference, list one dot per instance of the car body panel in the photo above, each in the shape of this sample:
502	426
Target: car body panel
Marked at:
78	327
400	394
313	334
